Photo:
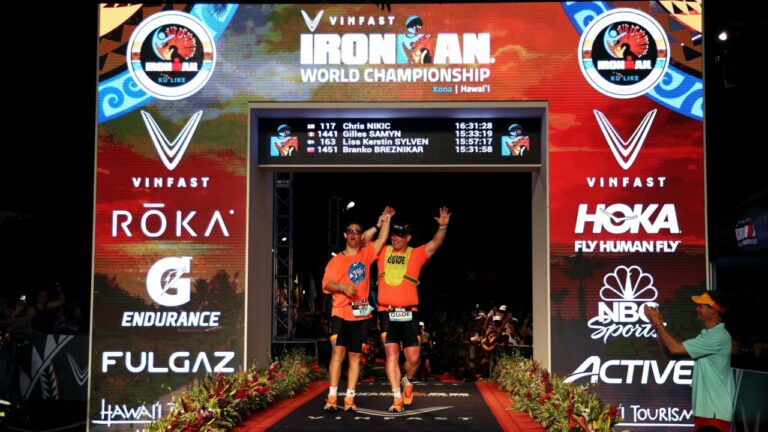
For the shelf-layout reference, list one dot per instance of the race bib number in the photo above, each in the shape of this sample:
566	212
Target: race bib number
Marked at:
400	315
361	311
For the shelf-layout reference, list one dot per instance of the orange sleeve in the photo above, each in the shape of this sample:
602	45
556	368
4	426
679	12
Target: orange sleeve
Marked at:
331	274
371	251
419	255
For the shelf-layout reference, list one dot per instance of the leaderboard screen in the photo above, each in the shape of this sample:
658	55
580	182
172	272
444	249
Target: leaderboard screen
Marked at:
396	137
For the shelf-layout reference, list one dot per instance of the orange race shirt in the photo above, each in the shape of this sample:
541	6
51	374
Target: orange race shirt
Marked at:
350	269
394	290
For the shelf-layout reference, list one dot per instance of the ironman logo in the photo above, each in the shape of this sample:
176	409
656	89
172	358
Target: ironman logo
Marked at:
623	53
171	55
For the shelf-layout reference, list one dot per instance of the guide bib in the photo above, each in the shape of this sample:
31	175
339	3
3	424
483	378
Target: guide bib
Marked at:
395	266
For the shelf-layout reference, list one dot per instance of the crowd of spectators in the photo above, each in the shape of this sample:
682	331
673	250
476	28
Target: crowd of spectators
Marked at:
24	317
464	345
45	311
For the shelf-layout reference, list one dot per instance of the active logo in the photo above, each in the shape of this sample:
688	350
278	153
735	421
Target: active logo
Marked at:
171	152
623	53
171	55
625	152
635	371
166	284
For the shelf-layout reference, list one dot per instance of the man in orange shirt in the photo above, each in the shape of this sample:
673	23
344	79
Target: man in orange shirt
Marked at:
347	279
399	268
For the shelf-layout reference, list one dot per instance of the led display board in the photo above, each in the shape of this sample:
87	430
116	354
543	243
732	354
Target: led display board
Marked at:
623	163
395	137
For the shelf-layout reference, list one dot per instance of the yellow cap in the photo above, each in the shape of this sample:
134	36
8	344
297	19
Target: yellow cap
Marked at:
706	299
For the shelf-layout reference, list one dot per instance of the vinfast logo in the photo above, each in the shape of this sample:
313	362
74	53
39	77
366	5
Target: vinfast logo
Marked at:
166	284
621	218
171	152
625	293
312	22
625	152
617	371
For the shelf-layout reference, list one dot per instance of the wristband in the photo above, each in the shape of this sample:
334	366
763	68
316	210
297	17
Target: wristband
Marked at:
443	227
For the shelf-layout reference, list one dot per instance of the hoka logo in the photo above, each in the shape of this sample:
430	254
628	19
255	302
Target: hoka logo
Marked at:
621	218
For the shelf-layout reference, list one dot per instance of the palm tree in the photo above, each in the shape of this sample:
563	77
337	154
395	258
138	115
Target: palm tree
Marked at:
580	268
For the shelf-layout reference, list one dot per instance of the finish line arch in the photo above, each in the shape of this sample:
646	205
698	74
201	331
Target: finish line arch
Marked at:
261	185
183	200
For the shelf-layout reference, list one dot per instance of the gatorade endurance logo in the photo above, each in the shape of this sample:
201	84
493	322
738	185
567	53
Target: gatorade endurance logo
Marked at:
171	55
623	53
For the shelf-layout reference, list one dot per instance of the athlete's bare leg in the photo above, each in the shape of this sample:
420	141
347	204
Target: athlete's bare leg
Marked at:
393	366
354	370
334	368
412	361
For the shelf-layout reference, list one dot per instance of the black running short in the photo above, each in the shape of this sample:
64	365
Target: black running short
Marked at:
349	334
406	332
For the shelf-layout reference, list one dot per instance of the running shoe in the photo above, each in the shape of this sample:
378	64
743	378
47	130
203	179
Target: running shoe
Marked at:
407	391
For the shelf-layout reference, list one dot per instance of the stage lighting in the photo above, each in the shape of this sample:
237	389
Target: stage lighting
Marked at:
350	205
723	36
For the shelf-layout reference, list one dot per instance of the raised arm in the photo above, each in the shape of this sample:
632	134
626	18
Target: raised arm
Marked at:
670	343
370	232
57	303
383	233
439	237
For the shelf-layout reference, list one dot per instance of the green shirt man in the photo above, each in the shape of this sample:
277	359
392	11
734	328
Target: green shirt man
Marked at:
711	352
712	384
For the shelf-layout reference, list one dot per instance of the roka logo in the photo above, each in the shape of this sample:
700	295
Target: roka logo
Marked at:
625	152
171	152
165	283
621	218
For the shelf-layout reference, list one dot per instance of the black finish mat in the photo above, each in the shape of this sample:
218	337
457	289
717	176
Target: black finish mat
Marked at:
436	407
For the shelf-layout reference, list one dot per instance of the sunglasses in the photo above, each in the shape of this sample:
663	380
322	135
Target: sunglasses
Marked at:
354	231
401	231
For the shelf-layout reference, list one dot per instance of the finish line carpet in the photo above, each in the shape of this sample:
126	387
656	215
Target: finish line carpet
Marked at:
437	406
